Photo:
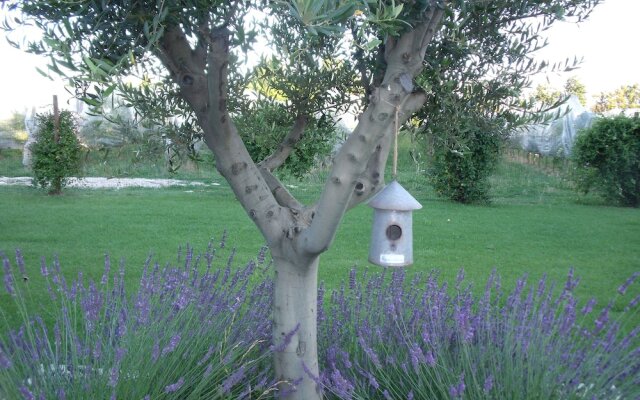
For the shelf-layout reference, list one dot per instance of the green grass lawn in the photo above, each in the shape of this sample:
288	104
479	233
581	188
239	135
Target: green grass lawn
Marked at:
535	225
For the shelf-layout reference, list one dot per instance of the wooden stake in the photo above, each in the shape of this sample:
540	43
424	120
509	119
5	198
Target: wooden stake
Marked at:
56	120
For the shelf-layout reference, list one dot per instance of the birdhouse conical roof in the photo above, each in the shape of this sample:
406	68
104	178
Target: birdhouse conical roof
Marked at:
394	197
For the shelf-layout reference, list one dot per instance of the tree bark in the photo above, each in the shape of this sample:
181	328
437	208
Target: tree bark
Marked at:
295	327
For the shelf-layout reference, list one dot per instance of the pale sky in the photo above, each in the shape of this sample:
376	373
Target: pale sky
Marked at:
608	41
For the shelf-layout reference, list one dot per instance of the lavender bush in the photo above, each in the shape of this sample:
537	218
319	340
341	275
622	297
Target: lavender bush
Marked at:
388	338
191	332
201	331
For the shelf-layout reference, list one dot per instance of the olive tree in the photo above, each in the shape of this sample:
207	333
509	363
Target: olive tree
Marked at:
187	55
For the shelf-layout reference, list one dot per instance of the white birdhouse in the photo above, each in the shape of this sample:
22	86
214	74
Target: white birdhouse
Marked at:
391	233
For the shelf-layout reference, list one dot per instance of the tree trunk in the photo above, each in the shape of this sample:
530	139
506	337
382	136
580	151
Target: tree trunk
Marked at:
294	327
297	235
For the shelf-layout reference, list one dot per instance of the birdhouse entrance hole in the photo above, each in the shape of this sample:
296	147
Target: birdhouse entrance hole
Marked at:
394	232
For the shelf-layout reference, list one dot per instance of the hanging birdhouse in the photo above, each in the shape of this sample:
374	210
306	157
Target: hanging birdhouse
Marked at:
391	233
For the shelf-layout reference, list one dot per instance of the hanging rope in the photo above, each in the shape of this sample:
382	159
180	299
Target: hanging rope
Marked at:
395	145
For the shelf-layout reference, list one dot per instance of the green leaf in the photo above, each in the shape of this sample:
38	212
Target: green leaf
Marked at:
92	67
67	26
343	13
90	101
41	72
68	64
397	10
372	44
107	92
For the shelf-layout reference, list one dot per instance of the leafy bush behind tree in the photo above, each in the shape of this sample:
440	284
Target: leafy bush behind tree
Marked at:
265	126
607	159
56	152
466	151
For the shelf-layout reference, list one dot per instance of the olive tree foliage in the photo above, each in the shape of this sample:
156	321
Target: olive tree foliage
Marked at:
187	56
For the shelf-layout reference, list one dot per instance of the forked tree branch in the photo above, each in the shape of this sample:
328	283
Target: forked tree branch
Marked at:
186	66
203	84
288	144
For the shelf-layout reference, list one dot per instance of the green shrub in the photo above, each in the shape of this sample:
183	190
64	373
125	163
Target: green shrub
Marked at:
264	127
461	166
56	156
607	159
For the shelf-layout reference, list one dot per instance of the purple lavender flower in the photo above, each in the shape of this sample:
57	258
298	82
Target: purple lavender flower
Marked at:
233	379
352	278
171	346
92	304
286	340
43	267
155	352
602	319
623	288
143	307
262	255
417	357
488	384
223	240
571	281
206	356
371	354
8	276
5	362
430	358
633	303
456	391
120	352
114	375
341	386
588	307
26	393
121	328
97	350
107	268
372	380
175	386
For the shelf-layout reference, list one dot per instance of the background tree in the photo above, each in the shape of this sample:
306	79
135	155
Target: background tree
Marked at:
574	87
56	151
186	55
545	93
476	76
624	97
